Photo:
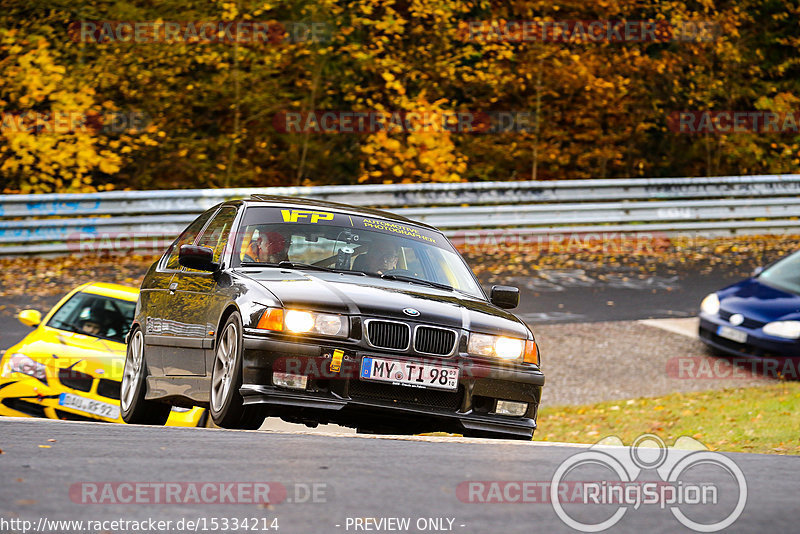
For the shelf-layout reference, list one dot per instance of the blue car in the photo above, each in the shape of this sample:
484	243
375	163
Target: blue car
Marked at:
758	317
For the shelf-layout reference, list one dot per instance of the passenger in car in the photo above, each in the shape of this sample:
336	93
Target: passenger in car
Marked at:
381	257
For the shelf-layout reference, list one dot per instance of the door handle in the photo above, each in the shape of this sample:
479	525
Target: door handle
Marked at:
172	287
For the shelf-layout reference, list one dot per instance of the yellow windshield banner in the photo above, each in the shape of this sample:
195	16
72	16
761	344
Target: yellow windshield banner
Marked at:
305	216
395	228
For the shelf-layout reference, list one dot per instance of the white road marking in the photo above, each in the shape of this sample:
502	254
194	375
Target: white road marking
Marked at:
684	326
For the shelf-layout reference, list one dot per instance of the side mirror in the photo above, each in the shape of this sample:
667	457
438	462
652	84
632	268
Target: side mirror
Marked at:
30	318
505	297
197	257
757	271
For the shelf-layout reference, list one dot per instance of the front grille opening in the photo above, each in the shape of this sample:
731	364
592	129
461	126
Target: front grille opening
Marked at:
28	408
388	335
75	379
406	396
108	388
434	340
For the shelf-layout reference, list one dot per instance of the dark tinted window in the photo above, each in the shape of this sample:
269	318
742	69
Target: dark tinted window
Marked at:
216	233
186	238
785	274
95	315
268	235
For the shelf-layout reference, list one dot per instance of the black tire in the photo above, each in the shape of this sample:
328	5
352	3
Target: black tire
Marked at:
203	421
226	404
133	406
253	417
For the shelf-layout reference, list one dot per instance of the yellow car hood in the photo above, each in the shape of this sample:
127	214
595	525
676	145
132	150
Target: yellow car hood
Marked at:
60	349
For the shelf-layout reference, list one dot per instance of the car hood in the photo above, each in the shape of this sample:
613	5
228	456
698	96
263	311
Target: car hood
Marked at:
759	301
60	349
375	297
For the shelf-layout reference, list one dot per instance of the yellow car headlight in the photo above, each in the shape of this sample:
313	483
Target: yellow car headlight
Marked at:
304	322
505	348
19	363
299	322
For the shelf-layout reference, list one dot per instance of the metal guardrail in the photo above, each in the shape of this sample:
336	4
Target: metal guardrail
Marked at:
58	223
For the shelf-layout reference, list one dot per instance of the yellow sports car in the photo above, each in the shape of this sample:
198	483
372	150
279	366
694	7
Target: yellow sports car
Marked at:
70	366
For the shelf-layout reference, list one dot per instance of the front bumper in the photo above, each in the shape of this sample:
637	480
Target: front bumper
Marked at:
757	345
23	396
343	398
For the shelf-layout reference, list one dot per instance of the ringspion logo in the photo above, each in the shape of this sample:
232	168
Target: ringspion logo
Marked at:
698	477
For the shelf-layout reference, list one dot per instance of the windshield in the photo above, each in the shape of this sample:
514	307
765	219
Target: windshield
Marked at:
349	243
95	315
784	274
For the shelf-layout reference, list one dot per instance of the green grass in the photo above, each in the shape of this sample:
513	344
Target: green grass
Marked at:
758	419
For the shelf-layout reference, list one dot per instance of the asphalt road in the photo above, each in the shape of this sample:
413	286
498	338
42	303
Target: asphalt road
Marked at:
585	294
47	466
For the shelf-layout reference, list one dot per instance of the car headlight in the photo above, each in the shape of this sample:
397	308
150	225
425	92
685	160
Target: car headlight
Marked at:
304	322
710	304
19	363
505	348
785	329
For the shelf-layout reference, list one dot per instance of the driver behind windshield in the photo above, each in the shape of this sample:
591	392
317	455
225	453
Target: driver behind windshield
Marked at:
267	247
381	258
91	328
95	319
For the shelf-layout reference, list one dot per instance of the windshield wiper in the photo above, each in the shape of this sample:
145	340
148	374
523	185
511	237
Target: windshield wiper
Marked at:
404	278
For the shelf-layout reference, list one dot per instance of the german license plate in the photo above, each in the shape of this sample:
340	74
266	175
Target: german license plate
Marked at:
731	333
414	374
90	406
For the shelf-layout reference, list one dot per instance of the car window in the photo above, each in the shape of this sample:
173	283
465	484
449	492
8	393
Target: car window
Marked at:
95	315
187	237
348	242
784	274
216	233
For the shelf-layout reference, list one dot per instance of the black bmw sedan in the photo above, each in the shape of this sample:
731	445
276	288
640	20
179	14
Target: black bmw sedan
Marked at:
317	312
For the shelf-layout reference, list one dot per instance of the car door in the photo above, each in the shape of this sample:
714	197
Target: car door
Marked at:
194	301
155	297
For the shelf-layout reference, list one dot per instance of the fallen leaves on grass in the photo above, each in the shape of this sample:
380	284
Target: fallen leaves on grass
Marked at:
598	261
743	419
